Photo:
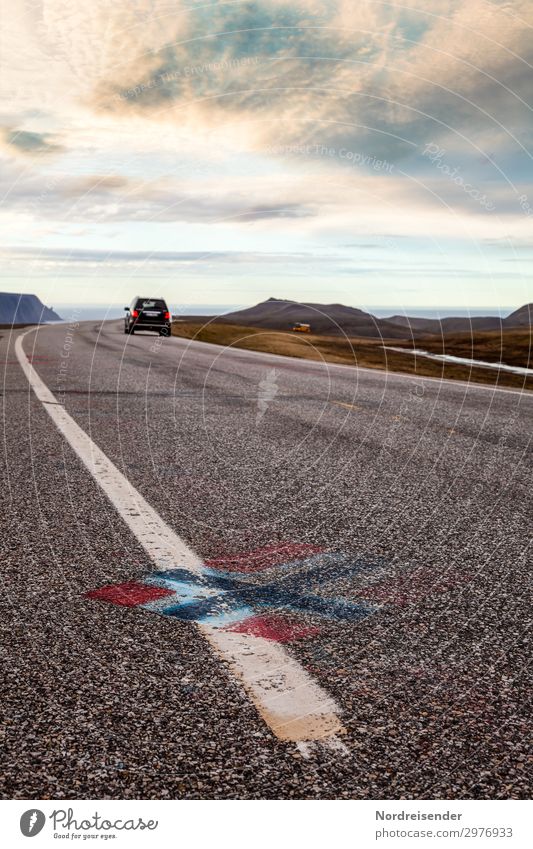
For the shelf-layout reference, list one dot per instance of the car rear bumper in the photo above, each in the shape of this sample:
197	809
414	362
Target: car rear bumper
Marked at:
152	325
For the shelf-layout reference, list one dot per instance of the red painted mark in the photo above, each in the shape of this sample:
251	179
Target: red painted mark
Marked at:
30	360
129	594
263	558
37	358
273	626
407	589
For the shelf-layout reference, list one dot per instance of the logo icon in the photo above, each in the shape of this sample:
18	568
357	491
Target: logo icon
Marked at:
32	822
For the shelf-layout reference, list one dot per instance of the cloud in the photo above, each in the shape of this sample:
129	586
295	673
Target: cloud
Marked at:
164	111
343	72
154	261
27	143
307	202
103	198
346	71
62	255
382	78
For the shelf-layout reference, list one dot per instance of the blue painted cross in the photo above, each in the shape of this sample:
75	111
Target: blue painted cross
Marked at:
221	598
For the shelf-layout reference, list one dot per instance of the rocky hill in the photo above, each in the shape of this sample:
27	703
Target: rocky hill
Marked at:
522	317
24	309
327	319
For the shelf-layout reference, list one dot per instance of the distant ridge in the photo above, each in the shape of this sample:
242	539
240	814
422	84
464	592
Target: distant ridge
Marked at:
458	324
24	309
328	319
337	319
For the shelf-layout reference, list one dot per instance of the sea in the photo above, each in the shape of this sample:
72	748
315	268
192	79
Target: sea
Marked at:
98	312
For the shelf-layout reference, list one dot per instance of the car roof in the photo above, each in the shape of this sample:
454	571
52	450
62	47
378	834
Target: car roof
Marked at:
148	298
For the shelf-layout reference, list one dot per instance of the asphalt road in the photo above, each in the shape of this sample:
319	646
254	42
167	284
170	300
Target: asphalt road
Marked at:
418	493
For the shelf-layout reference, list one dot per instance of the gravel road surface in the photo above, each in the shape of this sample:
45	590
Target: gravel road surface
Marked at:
407	499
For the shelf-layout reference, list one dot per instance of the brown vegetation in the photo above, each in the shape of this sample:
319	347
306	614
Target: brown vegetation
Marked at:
513	347
363	352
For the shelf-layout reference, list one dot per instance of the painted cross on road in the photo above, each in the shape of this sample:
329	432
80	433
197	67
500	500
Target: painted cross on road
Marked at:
262	592
269	591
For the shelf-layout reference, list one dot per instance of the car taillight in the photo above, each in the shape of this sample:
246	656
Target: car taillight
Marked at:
167	316
134	313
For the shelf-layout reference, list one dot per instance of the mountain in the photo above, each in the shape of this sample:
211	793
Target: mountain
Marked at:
522	317
327	319
460	324
24	309
454	324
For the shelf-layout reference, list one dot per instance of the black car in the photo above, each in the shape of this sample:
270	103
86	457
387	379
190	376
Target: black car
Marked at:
148	314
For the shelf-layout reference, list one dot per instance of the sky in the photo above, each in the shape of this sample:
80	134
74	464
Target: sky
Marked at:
354	151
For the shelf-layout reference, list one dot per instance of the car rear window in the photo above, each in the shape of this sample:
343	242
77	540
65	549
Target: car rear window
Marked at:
150	304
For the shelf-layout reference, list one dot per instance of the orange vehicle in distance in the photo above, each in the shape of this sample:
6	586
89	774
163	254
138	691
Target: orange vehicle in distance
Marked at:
298	327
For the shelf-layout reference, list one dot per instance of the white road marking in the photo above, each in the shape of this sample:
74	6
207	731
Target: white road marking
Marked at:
330	744
295	707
